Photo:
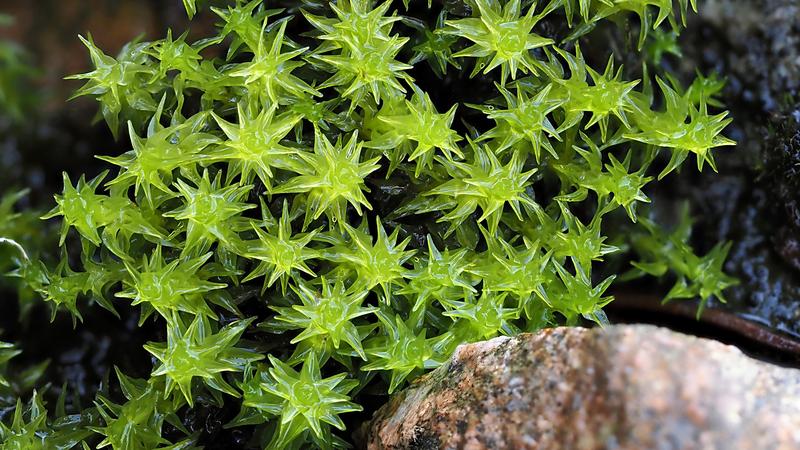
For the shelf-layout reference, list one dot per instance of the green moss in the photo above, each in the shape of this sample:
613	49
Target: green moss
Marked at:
378	223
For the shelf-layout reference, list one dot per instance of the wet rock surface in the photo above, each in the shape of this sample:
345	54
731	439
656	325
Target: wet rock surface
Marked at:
754	201
624	387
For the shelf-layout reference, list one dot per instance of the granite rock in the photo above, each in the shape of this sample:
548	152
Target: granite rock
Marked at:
623	387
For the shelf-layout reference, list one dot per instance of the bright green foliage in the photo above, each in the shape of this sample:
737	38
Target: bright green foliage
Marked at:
436	48
404	351
87	211
137	423
521	271
578	296
607	95
683	127
253	145
697	276
417	132
366	60
333	179
592	11
82	208
379	263
154	158
241	25
169	288
485	317
283	256
483	183
645	8
327	314
705	89
502	38
270	71
197	351
177	55
307	403
120	85
191	7
212	212
615	184
583	7
20	234
524	120
581	243
288	167
662	43
30	428
258	406
62	288
443	277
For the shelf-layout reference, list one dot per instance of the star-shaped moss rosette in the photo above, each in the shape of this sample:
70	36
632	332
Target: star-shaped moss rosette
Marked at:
443	276
614	184
662	252
378	262
334	178
501	38
583	244
253	146
483	318
85	210
607	96
577	296
416	133
326	314
169	288
163	150
270	70
138	421
365	60
281	255
526	119
31	428
683	127
435	47
197	351
307	403
122	85
485	182
403	351
523	271
211	213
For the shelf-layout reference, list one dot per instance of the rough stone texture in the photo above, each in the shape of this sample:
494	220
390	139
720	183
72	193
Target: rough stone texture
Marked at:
625	387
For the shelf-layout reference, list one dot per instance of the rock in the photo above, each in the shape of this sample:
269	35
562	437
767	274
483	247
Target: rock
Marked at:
623	387
763	47
754	200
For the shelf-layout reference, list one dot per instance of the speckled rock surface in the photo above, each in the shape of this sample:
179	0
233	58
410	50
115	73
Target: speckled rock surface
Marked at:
625	387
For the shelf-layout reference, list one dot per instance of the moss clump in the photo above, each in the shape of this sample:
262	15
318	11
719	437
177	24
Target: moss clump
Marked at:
376	228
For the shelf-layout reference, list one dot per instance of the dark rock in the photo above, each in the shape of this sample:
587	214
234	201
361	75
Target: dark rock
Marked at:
624	387
755	45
